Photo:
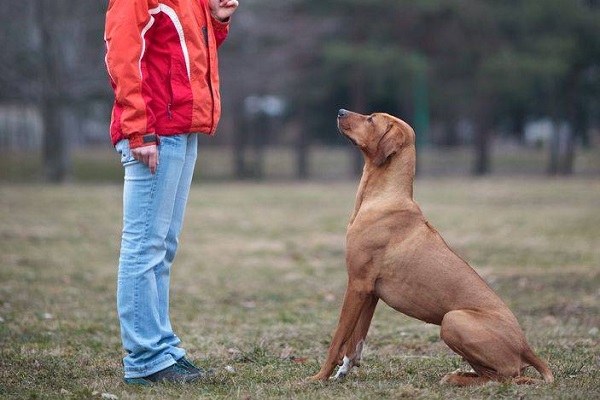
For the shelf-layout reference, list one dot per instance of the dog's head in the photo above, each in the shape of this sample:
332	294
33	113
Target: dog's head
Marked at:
380	136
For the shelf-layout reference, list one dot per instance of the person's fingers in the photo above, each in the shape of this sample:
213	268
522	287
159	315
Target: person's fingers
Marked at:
153	162
147	156
229	3
138	154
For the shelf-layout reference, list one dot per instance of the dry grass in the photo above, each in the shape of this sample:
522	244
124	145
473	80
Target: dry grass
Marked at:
258	283
216	163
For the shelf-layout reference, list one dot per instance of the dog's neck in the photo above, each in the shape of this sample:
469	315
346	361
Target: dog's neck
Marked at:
395	177
393	180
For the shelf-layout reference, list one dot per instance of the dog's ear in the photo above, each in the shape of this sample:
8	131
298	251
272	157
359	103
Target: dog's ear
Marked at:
388	145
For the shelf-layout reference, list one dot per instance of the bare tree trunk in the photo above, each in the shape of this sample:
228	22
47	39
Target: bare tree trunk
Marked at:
569	154
56	151
482	152
261	129
482	143
562	150
562	144
240	141
302	143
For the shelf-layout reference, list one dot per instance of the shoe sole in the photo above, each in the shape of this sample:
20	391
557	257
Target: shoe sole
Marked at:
147	382
137	381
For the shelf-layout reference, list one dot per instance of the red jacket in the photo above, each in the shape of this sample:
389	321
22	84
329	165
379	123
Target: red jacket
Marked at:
161	56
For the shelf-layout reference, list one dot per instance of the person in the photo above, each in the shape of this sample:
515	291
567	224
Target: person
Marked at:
162	63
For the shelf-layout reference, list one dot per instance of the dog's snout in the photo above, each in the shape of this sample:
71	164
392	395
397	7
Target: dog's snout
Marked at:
342	113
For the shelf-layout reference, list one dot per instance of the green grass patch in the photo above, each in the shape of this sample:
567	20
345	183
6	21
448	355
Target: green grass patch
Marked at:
259	279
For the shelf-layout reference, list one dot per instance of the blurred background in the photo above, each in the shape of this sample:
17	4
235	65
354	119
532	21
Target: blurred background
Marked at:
506	87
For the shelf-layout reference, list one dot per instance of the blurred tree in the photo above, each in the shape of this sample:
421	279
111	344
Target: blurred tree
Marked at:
55	151
52	57
544	66
363	65
487	61
273	50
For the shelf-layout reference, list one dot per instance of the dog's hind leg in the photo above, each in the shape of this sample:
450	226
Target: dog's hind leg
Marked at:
493	353
352	350
461	378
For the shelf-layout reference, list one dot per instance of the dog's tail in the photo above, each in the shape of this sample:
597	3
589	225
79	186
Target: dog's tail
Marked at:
537	363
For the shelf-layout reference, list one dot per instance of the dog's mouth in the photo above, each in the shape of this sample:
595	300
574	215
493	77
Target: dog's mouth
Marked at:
349	139
342	130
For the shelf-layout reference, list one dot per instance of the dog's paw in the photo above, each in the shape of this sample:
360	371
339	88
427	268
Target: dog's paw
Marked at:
344	369
317	378
340	375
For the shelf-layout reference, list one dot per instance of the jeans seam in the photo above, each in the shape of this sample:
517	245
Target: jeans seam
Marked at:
137	261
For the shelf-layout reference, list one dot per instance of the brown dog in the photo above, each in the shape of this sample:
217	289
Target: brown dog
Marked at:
394	254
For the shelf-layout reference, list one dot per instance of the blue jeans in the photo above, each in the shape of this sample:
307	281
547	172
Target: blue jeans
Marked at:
153	209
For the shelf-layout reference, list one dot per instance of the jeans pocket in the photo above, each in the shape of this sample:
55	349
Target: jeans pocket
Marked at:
126	155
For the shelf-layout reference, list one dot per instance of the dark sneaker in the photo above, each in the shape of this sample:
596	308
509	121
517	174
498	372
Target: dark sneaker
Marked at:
173	374
193	368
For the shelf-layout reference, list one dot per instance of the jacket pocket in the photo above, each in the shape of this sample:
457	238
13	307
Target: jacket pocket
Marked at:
180	90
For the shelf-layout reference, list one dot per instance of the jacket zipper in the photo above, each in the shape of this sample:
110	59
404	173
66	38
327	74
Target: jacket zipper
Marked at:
206	42
169	113
205	33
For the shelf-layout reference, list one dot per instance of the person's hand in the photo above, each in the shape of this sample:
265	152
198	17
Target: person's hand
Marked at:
223	9
147	155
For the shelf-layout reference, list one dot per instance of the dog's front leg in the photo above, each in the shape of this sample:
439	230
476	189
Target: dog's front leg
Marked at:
352	350
354	302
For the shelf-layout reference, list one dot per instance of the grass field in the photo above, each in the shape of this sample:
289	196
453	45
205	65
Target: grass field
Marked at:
258	284
216	163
